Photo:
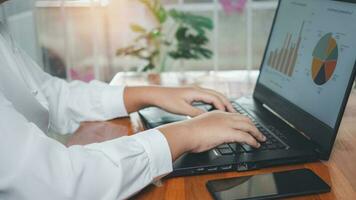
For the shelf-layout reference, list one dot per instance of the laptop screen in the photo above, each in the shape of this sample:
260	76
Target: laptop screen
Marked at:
311	55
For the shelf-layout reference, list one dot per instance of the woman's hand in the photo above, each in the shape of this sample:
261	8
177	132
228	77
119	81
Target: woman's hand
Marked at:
210	130
175	100
180	100
202	132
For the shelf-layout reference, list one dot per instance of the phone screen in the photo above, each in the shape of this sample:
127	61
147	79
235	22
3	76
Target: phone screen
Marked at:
268	186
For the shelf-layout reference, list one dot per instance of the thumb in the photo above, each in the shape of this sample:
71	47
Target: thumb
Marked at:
190	110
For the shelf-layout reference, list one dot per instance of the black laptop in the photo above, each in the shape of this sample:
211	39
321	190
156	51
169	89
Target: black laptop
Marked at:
305	80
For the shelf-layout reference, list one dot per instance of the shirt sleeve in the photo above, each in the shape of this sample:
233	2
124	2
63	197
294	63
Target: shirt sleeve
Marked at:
34	166
75	102
72	103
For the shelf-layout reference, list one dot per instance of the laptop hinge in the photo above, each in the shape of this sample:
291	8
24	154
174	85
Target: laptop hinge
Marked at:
285	121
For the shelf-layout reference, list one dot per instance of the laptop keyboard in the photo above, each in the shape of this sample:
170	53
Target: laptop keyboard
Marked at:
272	142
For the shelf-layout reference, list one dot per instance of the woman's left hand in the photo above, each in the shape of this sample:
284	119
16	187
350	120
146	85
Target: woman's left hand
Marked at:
180	100
177	100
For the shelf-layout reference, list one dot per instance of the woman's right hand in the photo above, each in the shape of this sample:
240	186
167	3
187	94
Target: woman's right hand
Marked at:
210	130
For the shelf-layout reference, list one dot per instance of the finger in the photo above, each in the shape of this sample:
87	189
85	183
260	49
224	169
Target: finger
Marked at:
187	109
211	99
230	108
251	129
223	99
242	118
243	137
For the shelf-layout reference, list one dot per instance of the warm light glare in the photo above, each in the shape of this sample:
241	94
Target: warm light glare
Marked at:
100	2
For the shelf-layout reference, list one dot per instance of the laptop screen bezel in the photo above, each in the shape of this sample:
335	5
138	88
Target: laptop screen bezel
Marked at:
319	132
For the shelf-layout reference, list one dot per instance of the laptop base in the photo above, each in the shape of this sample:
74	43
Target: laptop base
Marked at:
300	149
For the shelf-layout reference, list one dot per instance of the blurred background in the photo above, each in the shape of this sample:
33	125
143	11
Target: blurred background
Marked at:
79	39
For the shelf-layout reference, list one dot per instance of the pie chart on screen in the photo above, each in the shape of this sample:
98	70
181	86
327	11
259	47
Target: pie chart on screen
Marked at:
325	57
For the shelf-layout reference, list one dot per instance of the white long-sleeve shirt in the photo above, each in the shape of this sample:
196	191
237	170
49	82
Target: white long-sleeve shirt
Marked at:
34	166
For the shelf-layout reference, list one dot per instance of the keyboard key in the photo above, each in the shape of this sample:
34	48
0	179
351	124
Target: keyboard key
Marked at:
272	146
268	142
271	143
237	148
225	151
248	148
223	146
280	146
263	147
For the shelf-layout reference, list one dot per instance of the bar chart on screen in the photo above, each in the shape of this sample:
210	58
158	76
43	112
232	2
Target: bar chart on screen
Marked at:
284	59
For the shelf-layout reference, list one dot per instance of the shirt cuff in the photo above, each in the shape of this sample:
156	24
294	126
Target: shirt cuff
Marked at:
157	148
113	102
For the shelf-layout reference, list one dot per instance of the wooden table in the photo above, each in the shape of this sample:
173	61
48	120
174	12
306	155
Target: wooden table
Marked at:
339	172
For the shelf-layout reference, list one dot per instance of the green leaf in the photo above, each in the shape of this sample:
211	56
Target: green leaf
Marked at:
155	33
148	67
190	46
156	9
146	3
137	28
181	33
198	23
162	15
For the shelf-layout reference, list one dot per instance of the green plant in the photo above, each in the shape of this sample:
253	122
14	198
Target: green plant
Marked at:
186	38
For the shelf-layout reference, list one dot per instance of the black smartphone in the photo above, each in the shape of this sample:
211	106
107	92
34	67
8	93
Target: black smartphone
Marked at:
268	186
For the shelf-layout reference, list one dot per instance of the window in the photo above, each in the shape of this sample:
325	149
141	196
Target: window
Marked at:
77	39
239	38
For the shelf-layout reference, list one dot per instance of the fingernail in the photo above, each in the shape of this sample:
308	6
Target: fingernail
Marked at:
264	138
258	145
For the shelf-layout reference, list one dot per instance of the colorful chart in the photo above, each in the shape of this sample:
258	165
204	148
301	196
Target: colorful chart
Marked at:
284	59
325	57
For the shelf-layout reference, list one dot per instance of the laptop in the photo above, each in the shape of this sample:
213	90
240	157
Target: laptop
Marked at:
305	80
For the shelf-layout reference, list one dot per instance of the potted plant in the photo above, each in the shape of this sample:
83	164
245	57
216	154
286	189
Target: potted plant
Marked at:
184	39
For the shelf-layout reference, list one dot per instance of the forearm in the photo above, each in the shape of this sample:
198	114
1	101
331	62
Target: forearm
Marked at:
137	98
177	137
